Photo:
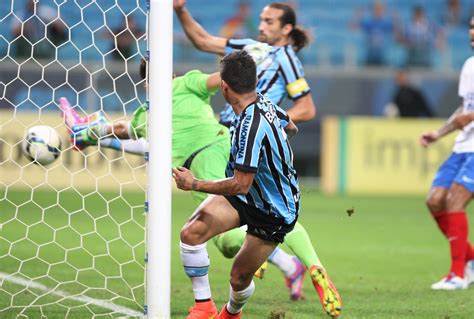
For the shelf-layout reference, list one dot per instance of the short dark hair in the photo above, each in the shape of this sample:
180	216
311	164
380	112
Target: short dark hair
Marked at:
239	71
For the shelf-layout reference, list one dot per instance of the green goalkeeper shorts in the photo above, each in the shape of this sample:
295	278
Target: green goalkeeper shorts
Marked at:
138	125
210	164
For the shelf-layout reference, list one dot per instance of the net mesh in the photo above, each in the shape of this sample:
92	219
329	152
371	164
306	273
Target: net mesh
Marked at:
72	233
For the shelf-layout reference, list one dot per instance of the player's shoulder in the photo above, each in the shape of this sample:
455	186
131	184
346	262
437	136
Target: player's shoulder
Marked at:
240	43
287	56
264	105
191	76
192	81
287	51
192	73
469	64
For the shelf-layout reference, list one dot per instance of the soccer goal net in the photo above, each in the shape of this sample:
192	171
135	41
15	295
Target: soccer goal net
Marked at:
72	233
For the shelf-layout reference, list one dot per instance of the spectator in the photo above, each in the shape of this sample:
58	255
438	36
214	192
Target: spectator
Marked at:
408	101
30	29
241	25
420	38
452	16
378	29
126	39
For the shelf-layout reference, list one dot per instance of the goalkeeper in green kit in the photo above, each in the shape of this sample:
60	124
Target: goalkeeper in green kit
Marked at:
197	136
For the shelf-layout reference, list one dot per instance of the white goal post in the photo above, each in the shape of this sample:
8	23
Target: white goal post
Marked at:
159	168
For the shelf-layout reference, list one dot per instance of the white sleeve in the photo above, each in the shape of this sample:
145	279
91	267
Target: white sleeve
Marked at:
466	79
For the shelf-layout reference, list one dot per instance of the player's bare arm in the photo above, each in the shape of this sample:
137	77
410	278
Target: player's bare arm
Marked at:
462	120
429	137
303	109
239	184
200	38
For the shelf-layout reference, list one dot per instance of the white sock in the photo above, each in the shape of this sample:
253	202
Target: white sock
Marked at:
137	147
283	261
238	299
103	129
196	266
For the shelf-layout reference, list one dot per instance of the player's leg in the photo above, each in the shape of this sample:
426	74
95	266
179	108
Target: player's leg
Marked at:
229	244
293	269
213	216
77	125
89	130
252	254
459	196
136	147
263	233
300	243
446	202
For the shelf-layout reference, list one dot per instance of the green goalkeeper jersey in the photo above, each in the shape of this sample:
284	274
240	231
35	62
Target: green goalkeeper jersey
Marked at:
194	123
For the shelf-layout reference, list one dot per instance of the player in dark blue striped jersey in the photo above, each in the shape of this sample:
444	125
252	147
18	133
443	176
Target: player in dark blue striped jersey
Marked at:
260	146
279	71
261	190
280	75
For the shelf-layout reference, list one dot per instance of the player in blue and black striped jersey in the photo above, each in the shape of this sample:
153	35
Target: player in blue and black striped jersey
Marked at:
279	71
261	190
260	146
280	75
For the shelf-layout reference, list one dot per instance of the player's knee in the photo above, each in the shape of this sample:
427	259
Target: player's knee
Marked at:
189	236
240	279
435	203
456	201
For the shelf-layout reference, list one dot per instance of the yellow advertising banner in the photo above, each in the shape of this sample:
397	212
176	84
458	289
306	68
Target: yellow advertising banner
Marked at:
380	156
93	168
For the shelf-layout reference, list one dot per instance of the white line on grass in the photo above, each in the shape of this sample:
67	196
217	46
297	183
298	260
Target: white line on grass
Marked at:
84	299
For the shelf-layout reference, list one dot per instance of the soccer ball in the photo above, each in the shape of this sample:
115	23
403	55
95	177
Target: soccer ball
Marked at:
42	144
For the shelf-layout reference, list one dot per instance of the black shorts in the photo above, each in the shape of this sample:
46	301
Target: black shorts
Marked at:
264	226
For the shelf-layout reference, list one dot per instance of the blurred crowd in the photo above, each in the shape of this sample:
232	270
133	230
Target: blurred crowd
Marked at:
37	19
420	37
419	32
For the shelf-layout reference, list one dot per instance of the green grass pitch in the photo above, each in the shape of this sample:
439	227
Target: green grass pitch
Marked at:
382	259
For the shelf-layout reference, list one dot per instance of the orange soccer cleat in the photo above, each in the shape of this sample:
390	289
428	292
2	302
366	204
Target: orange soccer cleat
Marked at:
328	295
203	310
225	314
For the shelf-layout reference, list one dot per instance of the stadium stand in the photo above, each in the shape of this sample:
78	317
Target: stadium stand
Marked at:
335	44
